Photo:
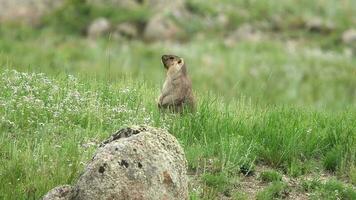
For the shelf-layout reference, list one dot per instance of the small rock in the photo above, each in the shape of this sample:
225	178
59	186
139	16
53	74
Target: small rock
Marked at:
98	27
349	37
160	27
319	25
63	192
222	20
127	30
245	32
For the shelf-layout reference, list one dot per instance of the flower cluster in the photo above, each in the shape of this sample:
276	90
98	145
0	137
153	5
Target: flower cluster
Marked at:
32	100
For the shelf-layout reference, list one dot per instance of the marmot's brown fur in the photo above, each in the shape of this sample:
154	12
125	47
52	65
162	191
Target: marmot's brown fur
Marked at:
177	89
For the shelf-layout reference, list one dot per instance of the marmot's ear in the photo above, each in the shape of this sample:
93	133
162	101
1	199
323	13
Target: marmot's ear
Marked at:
180	61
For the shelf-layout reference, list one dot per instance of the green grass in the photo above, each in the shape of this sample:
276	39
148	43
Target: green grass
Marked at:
288	101
240	196
331	189
287	18
276	190
270	176
267	72
74	16
46	122
218	181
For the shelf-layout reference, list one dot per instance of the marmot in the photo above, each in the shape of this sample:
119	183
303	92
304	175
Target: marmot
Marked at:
177	88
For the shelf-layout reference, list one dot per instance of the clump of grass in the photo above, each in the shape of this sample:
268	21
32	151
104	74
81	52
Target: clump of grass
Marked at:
247	168
335	189
193	196
218	181
276	190
217	184
332	159
239	196
297	167
270	176
310	185
329	190
209	193
353	175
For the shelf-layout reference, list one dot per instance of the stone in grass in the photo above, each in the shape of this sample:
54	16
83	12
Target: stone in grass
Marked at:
126	30
135	163
319	25
349	37
63	192
99	27
161	28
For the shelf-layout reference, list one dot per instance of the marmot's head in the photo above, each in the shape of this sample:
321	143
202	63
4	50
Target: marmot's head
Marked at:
170	61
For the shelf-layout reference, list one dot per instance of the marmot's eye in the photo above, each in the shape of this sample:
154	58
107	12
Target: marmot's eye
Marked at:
171	58
179	61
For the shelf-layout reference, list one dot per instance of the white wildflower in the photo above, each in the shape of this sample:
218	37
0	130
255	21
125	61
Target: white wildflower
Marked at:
125	90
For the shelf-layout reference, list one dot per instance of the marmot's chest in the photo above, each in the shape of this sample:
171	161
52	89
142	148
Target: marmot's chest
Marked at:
173	82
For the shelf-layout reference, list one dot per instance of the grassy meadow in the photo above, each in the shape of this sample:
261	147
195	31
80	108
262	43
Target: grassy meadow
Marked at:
278	114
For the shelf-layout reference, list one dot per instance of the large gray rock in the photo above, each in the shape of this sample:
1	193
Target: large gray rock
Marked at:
135	163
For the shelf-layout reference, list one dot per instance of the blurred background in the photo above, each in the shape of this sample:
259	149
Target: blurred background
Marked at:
297	52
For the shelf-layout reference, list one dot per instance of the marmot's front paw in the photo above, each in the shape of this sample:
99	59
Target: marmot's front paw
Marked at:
159	102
